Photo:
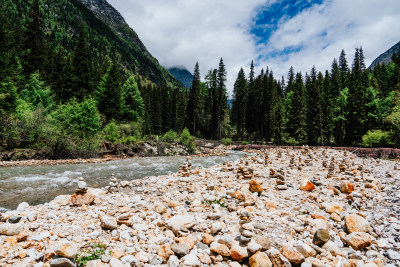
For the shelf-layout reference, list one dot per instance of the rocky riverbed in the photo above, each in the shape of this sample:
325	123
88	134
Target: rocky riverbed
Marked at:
282	207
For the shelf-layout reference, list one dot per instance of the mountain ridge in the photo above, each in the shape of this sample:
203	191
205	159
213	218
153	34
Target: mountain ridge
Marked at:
182	74
385	57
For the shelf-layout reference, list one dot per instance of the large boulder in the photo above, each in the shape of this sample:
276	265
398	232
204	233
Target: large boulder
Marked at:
11	228
356	223
180	223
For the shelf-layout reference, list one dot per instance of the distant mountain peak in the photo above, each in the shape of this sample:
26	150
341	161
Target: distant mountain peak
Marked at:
182	74
386	57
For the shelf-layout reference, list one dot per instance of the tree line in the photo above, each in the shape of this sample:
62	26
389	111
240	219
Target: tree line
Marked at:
69	96
344	106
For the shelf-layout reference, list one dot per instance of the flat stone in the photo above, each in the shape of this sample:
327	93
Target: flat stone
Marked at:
356	223
333	248
61	262
180	223
359	240
65	249
260	259
180	248
79	199
191	260
305	250
108	222
11	229
333	207
96	263
238	252
292	255
220	249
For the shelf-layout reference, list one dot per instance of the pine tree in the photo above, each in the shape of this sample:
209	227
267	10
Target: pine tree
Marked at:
193	110
33	42
222	100
239	103
344	70
81	75
340	116
297	121
132	101
314	107
108	94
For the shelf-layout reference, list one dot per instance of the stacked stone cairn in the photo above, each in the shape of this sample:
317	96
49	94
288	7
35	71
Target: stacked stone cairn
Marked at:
185	168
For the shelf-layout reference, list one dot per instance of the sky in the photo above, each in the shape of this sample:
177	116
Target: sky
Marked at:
275	34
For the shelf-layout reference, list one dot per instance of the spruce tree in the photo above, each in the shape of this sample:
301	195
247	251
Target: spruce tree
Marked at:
81	74
240	95
297	122
33	42
193	110
132	101
222	99
109	94
344	69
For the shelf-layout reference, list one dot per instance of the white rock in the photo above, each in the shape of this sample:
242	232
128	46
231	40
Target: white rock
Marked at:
11	228
108	222
65	249
22	206
180	223
253	246
191	260
173	261
216	227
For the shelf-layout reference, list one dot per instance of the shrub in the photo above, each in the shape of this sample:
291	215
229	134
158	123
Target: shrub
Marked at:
245	142
111	132
376	138
187	140
170	137
227	141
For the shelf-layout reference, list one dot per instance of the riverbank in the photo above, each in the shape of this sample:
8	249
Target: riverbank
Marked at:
315	207
117	153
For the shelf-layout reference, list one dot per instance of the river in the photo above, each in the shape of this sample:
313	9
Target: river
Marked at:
40	184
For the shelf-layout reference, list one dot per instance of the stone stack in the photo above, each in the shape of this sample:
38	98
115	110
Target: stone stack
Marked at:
112	185
246	227
331	169
244	173
82	196
186	167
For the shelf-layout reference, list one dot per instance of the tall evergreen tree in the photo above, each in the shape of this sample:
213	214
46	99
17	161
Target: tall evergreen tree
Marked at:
193	110
81	73
33	40
132	101
109	94
222	99
344	69
240	95
297	121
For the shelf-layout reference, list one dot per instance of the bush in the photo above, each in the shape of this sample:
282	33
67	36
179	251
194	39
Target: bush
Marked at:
187	140
245	142
111	132
170	137
376	138
227	141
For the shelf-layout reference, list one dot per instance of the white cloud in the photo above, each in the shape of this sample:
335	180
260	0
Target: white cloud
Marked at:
323	31
181	32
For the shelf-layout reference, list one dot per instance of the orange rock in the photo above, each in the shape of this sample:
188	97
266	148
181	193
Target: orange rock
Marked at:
306	185
165	251
208	239
356	223
260	259
239	196
188	240
239	253
78	199
292	255
270	205
255	187
316	216
346	187
23	235
359	240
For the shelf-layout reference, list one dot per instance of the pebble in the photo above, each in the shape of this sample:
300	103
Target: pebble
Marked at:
169	220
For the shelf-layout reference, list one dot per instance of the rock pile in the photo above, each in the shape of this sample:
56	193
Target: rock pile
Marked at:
216	217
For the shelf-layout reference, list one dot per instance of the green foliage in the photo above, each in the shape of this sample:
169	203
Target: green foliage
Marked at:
80	119
37	93
90	252
221	202
170	137
8	97
227	141
132	101
376	138
111	132
187	140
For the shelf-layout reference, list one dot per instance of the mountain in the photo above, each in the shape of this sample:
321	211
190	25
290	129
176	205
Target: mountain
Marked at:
106	32
385	57
182	75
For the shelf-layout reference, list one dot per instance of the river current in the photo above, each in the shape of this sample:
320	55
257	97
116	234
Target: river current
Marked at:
40	184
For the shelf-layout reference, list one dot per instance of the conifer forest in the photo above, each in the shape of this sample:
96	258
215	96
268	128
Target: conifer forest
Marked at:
69	85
